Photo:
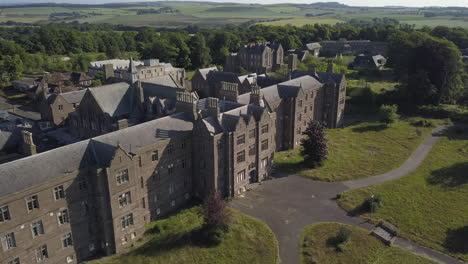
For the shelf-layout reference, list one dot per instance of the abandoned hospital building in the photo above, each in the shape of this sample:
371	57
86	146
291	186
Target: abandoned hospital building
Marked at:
148	147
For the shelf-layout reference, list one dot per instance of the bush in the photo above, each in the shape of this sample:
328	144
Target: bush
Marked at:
314	145
340	239
388	114
423	123
372	204
216	217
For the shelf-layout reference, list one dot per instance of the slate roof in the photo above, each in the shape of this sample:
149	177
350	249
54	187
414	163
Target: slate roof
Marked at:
113	99
219	76
204	72
142	135
164	80
40	168
313	46
162	87
73	97
212	125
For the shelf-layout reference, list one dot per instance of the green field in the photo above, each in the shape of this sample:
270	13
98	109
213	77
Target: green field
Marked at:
216	14
361	150
361	248
176	240
430	205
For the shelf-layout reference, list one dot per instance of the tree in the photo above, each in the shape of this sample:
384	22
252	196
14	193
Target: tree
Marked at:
216	218
388	114
13	66
314	145
200	55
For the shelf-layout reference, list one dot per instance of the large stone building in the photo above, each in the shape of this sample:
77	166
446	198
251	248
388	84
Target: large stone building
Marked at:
310	49
352	48
146	69
56	107
94	197
259	58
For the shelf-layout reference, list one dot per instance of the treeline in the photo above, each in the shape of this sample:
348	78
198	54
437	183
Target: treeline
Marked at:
421	58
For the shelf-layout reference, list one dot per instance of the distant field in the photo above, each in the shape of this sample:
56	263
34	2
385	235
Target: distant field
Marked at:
216	14
303	21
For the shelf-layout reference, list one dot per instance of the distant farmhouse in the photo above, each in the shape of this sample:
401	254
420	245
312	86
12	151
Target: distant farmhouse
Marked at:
150	147
257	57
311	49
368	62
352	48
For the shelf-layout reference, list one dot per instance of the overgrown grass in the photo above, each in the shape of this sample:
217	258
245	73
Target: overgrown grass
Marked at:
176	240
361	247
430	205
362	150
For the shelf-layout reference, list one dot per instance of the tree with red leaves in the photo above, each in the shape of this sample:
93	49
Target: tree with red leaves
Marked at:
314	145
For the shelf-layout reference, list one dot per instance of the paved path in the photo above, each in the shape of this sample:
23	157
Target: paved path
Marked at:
288	203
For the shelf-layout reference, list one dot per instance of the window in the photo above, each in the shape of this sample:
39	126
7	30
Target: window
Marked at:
37	228
173	203
183	164
127	221
41	253
170	169
133	235
154	155
70	259
158	211
4	213
143	202
122	177
240	176
59	193
15	261
241	156
142	183
60	107
171	188
67	240
265	144
240	139
187	196
8	241
299	130
300	117
265	129
82	185
125	199
170	148
307	97
264	162
305	110
252	150
251	133
32	202
182	146
155	198
63	217
300	103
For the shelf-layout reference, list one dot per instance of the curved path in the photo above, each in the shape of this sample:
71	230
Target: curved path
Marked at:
288	203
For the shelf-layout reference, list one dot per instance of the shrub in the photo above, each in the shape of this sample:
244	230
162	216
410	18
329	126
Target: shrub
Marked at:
216	217
340	239
388	114
423	123
372	204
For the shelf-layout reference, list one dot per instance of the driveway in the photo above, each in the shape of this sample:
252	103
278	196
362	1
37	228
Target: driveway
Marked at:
288	203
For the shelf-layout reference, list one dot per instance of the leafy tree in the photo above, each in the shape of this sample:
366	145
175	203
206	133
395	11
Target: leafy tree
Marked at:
216	215
200	55
388	114
13	66
183	51
314	145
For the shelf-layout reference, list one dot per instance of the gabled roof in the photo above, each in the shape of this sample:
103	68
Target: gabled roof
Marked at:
204	72
212	125
162	87
73	97
219	76
113	99
164	80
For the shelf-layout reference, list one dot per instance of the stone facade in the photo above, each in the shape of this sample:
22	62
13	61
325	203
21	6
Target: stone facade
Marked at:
259	58
94	197
57	107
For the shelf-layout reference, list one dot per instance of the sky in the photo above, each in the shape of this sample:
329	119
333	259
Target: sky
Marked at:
412	3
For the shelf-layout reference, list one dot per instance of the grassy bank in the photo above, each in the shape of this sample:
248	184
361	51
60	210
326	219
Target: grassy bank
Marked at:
176	240
430	205
358	151
360	248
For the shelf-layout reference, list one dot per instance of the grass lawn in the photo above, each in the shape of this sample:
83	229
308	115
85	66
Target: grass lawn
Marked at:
174	240
358	151
360	248
429	205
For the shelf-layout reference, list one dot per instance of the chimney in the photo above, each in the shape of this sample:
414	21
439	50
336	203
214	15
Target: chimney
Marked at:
229	91
132	70
28	147
330	67
108	71
212	107
122	123
255	97
186	103
292	62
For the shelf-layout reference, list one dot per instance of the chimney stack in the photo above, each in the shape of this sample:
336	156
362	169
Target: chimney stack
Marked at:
186	103
28	147
229	91
122	123
212	107
255	97
292	62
